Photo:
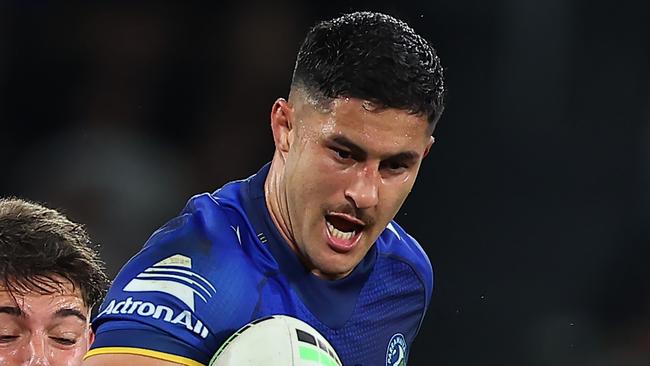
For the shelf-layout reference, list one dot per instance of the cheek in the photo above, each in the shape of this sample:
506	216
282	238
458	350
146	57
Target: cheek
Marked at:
8	355
15	353
394	195
315	175
69	357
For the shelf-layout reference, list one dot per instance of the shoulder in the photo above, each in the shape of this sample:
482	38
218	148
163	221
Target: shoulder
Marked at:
185	289
200	233
201	240
396	244
203	227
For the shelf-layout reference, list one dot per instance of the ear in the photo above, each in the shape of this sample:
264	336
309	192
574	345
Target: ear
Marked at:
91	336
429	144
282	125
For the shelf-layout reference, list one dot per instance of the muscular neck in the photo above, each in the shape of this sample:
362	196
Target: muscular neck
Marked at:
276	200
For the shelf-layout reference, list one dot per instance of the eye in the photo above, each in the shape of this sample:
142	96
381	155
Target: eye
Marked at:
394	166
342	154
7	338
64	341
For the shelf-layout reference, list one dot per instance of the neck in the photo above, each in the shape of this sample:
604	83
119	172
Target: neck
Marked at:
276	200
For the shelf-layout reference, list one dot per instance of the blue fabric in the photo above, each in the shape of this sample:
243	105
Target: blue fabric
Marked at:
222	263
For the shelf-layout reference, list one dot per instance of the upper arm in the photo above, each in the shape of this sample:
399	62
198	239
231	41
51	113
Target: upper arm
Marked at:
179	297
127	359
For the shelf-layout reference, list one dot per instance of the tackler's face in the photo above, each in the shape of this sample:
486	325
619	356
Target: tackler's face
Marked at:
348	171
44	330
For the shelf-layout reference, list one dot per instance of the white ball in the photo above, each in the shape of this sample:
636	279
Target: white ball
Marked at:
278	340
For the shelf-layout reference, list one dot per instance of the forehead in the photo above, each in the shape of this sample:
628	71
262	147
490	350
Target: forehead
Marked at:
362	119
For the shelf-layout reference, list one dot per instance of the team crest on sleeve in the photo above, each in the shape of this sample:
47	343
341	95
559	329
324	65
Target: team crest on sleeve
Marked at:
173	276
396	351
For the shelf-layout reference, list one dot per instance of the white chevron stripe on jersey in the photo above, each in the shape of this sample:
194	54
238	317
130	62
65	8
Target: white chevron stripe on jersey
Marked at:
171	269
180	278
183	284
392	228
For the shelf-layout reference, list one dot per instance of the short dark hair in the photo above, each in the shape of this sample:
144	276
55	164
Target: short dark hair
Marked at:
375	57
39	247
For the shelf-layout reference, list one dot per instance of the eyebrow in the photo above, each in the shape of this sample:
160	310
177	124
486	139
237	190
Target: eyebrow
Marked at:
11	310
61	313
362	154
65	312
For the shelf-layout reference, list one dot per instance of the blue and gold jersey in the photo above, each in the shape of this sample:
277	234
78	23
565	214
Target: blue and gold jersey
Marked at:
222	263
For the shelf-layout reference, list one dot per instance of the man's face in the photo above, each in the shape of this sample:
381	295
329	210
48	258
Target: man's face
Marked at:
348	171
40	329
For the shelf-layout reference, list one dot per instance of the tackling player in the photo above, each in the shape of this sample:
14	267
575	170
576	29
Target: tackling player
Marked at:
311	234
50	278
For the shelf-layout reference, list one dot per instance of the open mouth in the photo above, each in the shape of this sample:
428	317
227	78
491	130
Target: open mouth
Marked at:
343	231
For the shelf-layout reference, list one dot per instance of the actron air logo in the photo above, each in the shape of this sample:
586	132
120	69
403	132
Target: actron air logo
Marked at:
150	310
173	276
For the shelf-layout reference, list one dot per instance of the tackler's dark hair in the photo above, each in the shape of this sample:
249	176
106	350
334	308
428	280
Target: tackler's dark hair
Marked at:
41	250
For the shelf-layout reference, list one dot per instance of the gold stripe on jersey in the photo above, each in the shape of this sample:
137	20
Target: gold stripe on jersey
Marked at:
143	352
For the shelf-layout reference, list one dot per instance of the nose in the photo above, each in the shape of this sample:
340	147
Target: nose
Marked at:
36	352
363	189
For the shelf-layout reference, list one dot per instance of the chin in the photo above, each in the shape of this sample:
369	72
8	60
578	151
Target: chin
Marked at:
332	275
331	270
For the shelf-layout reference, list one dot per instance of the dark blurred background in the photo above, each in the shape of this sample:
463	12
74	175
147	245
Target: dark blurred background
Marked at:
534	205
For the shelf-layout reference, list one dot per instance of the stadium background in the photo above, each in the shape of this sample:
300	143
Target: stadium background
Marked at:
534	205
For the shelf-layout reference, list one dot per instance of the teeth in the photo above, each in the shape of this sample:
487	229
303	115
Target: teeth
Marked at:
338	233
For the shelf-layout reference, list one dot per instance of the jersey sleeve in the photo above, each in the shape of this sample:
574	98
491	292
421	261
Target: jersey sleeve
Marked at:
188	289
